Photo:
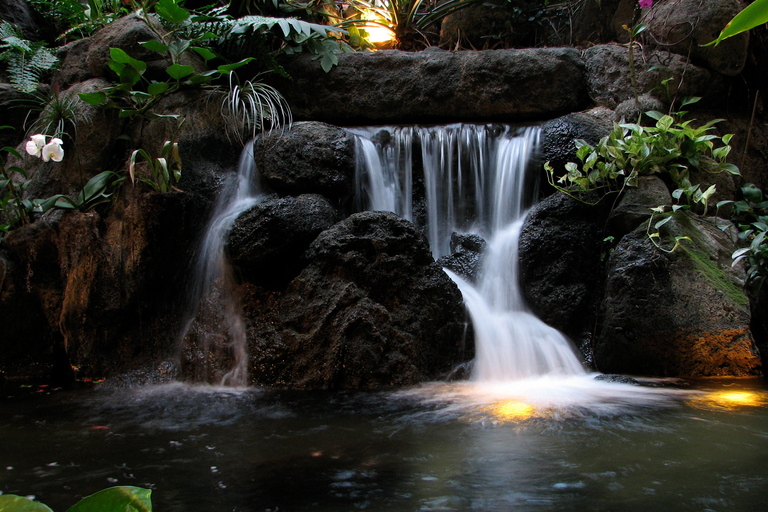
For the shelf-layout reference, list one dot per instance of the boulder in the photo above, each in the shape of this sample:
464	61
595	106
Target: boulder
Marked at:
310	158
558	135
267	242
371	309
392	86
609	77
466	255
635	205
685	26
483	26
561	247
676	314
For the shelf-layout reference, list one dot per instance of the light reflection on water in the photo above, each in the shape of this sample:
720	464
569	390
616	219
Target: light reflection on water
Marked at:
535	445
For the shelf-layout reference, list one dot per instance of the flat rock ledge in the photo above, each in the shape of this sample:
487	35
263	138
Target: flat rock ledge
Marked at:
392	86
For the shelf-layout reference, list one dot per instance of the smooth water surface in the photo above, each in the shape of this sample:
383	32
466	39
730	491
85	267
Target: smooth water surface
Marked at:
544	444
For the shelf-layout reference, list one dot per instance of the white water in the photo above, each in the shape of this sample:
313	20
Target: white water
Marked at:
474	181
214	303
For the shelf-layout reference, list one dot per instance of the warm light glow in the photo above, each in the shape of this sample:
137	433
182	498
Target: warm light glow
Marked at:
512	411
377	34
730	400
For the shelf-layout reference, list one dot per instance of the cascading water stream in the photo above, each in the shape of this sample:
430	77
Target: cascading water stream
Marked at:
214	321
474	181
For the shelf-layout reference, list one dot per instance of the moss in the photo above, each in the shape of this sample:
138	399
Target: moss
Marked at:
699	255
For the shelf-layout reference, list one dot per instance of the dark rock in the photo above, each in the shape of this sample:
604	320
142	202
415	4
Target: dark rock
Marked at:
609	77
635	205
466	255
267	242
558	135
310	158
560	251
371	309
483	26
593	23
21	14
391	86
13	112
685	26
675	314
107	287
30	348
618	379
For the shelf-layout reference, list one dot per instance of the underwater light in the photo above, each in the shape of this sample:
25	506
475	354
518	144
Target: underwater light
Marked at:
731	400
512	411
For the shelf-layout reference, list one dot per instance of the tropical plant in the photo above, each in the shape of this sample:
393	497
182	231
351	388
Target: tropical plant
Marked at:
13	210
750	214
671	146
112	499
163	171
26	61
246	107
58	113
94	193
74	19
408	21
753	15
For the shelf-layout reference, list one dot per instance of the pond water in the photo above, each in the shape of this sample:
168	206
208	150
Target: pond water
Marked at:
566	444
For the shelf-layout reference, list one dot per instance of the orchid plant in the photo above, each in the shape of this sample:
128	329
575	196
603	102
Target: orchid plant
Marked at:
52	150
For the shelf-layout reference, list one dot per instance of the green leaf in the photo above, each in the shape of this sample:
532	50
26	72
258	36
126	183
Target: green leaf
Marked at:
227	68
754	15
752	193
205	53
119	55
13	503
93	98
116	499
157	88
155	46
179	71
170	11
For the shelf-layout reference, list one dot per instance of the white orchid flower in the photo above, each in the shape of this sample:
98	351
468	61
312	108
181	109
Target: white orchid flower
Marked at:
53	151
35	144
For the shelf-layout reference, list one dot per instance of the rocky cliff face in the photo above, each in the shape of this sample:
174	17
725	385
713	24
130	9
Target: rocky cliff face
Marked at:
337	299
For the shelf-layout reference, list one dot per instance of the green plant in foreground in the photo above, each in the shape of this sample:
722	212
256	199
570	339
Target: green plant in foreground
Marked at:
112	499
671	146
750	214
753	15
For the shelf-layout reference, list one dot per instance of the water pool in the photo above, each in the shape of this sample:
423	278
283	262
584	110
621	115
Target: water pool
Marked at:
537	446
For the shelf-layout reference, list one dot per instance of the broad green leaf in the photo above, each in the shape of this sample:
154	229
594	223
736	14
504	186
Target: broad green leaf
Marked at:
155	46
226	68
13	503
754	15
119	55
157	88
179	71
662	222
752	193
170	11
178	46
205	53
93	98
116	499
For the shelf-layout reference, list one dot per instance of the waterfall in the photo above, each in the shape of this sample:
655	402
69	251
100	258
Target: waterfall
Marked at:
213	330
474	181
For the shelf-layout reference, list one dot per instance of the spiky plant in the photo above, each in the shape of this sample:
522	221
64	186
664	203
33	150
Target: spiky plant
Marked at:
254	107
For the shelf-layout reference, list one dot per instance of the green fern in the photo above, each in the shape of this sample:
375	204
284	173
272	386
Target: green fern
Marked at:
26	60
